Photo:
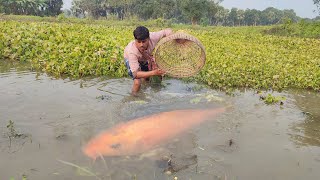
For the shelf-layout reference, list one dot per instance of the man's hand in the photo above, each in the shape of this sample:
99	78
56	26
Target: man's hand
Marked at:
146	74
158	72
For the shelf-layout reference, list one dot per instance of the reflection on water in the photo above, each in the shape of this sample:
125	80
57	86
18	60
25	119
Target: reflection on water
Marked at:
307	131
6	66
60	115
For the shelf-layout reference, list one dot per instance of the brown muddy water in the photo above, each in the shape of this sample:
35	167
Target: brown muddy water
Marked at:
51	119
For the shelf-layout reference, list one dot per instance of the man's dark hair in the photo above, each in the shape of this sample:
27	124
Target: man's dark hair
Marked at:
141	33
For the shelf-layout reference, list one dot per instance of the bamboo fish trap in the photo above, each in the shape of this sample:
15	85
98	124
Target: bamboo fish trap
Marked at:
180	55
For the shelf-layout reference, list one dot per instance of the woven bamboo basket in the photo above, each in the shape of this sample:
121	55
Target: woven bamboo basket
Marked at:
180	55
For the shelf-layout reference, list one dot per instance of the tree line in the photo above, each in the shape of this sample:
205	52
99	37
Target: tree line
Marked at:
31	7
205	12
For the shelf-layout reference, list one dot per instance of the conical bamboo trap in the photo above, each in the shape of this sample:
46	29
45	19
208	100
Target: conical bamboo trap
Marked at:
180	55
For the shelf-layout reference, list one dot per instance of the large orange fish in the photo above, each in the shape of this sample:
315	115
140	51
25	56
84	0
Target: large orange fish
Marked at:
145	133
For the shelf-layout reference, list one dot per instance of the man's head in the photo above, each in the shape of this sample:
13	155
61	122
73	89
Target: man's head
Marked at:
141	35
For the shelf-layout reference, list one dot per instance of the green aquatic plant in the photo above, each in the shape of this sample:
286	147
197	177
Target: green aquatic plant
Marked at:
270	99
235	57
24	177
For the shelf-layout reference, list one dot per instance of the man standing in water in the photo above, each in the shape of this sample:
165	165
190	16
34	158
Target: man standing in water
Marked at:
138	58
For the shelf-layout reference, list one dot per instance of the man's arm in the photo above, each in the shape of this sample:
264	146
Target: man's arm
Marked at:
167	32
146	74
156	36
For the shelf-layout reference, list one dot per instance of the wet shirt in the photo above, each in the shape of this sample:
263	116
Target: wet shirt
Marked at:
134	56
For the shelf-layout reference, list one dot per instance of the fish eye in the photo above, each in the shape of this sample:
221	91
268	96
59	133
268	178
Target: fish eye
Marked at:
115	146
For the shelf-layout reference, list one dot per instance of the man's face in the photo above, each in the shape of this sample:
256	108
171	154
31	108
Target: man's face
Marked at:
142	45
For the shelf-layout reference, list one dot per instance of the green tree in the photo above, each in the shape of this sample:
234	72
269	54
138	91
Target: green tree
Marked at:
144	9
147	9
317	3
194	9
22	7
91	8
290	14
31	7
271	16
53	7
221	16
164	9
252	17
1	6
212	11
233	16
240	16
123	7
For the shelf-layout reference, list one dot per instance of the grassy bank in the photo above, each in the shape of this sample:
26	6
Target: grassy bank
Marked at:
236	57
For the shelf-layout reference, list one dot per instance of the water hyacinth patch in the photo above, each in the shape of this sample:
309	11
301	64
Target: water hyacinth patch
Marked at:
64	49
236	57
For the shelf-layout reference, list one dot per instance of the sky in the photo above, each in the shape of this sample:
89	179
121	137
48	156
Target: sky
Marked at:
303	8
66	4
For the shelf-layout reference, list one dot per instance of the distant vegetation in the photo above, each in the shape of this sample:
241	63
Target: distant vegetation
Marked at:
31	7
203	12
317	3
301	29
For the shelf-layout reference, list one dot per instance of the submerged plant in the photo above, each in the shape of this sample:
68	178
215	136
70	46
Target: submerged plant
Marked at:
82	171
12	133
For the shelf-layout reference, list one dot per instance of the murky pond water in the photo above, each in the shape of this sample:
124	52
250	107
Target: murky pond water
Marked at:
52	119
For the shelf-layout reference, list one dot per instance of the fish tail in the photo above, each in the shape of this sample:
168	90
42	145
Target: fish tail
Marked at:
214	112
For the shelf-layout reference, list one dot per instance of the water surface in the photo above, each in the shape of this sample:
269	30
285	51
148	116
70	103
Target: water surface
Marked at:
56	117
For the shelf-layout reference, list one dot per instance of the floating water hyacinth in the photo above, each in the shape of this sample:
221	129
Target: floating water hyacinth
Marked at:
235	57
